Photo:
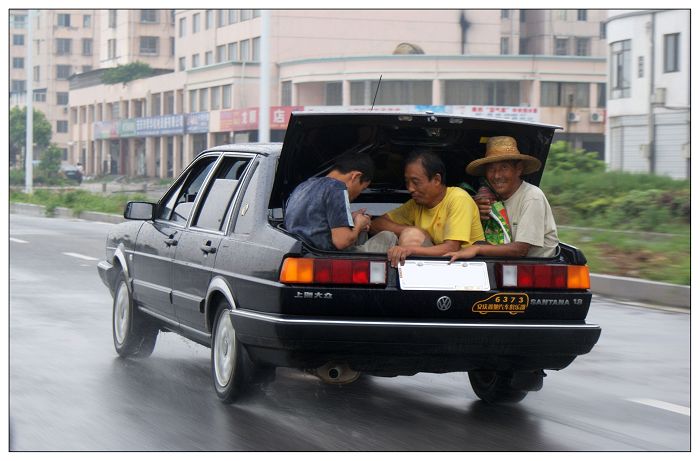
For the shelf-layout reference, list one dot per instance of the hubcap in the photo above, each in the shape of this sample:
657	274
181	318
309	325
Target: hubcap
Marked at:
224	349
121	313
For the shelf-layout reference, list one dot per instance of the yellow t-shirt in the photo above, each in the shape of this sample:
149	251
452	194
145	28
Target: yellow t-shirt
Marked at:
456	217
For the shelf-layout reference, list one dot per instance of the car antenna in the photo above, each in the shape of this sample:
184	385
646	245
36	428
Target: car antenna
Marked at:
376	92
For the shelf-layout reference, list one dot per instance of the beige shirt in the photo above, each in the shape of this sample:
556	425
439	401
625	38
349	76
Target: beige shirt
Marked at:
531	221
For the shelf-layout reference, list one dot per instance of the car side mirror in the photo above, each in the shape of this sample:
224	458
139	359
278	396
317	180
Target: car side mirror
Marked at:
143	211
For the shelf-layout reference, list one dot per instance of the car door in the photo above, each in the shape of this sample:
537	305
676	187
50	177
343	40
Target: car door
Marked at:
157	241
198	245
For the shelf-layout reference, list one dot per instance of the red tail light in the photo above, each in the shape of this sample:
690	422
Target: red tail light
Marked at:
555	276
333	271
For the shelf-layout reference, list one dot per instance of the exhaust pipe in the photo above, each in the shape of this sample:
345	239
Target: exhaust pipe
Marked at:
336	373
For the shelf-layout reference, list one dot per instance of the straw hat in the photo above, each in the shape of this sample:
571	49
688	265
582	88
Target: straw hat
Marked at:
499	149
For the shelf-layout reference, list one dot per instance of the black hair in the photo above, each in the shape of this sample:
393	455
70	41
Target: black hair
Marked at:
432	164
355	161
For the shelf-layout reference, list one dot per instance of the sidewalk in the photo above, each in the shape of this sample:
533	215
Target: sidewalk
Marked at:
622	288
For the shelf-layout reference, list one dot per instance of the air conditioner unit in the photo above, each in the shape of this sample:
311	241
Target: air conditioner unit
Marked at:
572	117
597	117
659	96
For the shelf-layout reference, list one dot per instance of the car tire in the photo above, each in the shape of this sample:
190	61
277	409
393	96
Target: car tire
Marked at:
231	368
133	333
495	386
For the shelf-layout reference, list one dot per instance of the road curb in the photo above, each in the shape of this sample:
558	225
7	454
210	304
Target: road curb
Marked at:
625	288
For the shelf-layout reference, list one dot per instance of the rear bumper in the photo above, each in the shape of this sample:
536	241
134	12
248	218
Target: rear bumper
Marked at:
407	347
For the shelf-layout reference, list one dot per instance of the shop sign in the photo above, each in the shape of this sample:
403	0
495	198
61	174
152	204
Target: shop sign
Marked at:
522	114
197	122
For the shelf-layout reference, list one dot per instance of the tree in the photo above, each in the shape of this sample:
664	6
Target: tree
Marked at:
564	158
18	131
126	73
50	162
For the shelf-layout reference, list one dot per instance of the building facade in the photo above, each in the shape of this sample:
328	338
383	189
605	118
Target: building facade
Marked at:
649	102
538	65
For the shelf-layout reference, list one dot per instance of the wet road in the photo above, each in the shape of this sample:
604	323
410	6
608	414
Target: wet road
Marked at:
69	391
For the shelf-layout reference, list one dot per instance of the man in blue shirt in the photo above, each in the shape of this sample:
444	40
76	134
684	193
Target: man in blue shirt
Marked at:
318	209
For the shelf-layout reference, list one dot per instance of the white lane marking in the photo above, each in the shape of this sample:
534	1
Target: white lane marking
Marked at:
12	239
663	405
79	256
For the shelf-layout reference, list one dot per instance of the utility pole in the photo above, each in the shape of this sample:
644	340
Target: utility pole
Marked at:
264	110
29	140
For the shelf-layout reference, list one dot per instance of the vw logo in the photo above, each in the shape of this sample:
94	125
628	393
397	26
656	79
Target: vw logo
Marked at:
444	303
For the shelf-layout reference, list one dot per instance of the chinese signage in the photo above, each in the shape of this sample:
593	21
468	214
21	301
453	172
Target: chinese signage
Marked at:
247	119
521	114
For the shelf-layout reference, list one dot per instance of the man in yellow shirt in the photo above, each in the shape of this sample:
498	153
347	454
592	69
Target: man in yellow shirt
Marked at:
436	220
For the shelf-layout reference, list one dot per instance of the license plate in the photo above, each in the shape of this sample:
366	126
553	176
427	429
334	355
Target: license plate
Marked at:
439	275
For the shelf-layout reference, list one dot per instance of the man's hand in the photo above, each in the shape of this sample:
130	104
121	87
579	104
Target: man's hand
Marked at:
465	253
361	219
398	254
484	204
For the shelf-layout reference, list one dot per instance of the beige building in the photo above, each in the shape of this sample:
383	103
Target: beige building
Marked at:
539	65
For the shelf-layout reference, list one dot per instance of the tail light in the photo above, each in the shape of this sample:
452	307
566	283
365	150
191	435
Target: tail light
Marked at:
333	271
543	276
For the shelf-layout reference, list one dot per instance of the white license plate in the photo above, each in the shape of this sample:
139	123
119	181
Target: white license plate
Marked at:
438	275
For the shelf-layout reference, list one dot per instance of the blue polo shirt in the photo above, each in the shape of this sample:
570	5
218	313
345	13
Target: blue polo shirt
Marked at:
315	207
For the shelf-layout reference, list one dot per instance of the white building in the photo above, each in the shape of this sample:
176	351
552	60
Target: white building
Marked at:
648	126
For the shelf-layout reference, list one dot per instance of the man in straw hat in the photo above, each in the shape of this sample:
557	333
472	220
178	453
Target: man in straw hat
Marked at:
437	219
532	223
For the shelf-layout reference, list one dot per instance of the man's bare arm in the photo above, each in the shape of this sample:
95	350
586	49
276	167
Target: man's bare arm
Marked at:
383	223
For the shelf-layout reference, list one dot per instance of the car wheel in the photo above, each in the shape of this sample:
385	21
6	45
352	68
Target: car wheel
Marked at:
495	386
134	334
231	367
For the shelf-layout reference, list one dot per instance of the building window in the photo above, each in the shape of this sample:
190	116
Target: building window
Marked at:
18	39
505	45
195	60
149	16
640	67
286	93
256	50
204	99
246	15
233	51
61	98
112	19
561	46
208	58
524	46
87	21
582	15
63	46
155	104
505	14
172	46
18	21
392	93
195	23
181	63
232	16
86	68
193	100
564	94
61	126
245	50
256	13
37	73
18	63
601	95
63	72
220	53
583	46
221	18
226	97
216	98
334	93
18	86
560	14
182	27
63	20
620	63
482	92
37	46
87	47
671	52
602	32
148	45
208	19
40	95
115	111
112	48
